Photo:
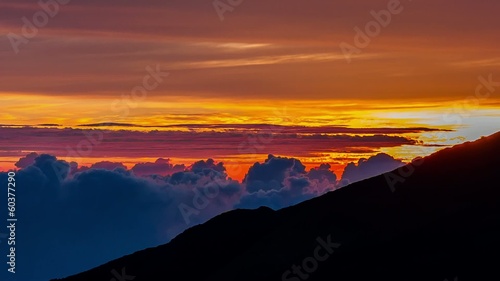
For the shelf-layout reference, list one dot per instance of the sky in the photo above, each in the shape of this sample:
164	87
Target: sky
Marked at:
78	63
117	115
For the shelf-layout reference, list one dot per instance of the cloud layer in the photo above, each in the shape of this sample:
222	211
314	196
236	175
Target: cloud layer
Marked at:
90	215
233	144
367	168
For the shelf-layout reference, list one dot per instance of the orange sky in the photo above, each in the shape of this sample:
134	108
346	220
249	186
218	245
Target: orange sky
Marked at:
265	63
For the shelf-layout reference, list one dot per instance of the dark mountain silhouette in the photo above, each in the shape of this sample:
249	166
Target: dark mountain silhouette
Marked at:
441	222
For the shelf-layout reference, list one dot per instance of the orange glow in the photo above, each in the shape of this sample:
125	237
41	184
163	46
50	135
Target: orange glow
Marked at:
155	113
69	112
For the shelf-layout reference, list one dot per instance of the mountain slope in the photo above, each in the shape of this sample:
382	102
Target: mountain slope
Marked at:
441	221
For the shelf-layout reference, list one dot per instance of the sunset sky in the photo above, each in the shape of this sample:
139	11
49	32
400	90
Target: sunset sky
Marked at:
120	117
265	68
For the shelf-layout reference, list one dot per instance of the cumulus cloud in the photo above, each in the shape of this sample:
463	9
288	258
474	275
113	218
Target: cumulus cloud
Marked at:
280	182
271	174
90	215
322	179
104	212
26	160
161	167
207	167
107	165
367	168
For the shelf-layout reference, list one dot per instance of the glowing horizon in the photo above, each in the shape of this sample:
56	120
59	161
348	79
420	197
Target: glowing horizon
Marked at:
181	67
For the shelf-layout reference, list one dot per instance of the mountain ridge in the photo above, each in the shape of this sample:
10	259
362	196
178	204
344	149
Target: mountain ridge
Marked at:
423	221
